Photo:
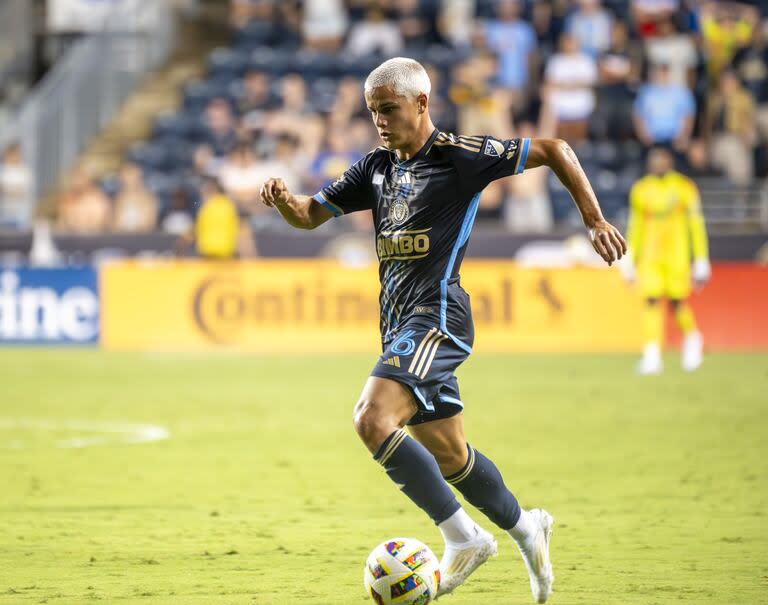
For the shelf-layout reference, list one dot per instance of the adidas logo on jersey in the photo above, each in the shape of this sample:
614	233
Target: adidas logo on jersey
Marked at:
392	361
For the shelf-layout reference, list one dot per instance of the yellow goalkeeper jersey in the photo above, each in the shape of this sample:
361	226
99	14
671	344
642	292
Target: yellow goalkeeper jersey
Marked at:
665	221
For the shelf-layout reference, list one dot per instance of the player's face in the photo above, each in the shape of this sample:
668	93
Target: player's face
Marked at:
660	162
396	117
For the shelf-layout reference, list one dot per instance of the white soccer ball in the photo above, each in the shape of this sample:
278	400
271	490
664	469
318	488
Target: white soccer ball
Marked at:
402	571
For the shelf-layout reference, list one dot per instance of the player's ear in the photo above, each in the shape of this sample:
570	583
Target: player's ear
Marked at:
421	101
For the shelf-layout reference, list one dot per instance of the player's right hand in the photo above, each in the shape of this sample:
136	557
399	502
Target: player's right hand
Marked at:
607	241
274	191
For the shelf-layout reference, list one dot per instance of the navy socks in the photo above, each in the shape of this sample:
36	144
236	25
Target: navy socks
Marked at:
415	471
481	484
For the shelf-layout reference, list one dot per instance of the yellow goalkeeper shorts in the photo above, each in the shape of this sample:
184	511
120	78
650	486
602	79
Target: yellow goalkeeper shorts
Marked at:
665	280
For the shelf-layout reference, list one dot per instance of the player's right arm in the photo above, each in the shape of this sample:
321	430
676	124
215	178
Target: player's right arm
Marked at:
300	211
351	192
561	159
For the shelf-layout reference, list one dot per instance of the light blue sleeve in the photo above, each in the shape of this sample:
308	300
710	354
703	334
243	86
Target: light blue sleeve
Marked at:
531	40
688	103
491	35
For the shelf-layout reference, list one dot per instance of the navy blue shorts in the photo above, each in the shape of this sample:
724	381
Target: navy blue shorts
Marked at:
424	359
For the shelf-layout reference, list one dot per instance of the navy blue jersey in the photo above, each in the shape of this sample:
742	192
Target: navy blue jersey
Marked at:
423	210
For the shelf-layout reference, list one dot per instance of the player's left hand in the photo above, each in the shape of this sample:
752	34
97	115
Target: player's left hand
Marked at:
607	241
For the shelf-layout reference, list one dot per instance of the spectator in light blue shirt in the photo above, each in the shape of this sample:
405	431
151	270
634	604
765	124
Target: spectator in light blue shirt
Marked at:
664	111
513	40
591	26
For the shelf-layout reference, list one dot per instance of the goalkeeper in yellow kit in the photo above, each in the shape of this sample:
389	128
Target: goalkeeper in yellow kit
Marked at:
666	233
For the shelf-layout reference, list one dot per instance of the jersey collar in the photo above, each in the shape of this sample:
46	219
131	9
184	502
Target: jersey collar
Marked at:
419	154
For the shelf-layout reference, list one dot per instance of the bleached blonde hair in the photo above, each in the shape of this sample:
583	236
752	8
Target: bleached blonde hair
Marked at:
404	76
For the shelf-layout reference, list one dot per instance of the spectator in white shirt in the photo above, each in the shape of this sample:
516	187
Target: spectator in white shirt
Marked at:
241	178
375	33
570	77
674	49
324	23
646	14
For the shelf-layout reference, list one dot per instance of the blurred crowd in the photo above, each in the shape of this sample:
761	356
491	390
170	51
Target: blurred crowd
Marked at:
613	77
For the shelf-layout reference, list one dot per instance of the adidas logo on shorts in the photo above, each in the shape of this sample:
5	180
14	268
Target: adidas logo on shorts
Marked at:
392	361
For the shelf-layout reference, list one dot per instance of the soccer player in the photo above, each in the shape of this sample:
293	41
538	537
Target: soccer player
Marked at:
423	187
665	229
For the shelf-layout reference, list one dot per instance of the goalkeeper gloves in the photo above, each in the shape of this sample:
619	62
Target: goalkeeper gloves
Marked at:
627	269
701	271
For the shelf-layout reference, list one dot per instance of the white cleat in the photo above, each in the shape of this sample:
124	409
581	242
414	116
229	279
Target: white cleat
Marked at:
535	551
459	562
650	363
692	355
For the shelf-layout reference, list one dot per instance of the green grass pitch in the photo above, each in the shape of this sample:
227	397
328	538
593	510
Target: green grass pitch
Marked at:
263	494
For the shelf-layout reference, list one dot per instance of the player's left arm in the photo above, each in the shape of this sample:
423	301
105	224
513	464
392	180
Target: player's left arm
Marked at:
561	159
635	233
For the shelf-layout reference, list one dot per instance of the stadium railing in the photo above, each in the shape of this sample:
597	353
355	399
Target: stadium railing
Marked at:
85	89
16	42
727	206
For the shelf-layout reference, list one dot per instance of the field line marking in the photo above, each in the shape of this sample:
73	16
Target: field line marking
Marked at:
109	432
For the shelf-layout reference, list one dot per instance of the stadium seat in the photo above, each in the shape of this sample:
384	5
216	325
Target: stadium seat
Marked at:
199	93
607	154
561	206
358	67
631	153
171	126
443	57
611	203
562	203
227	63
628	176
313	65
585	150
187	125
179	154
276	62
151	157
255	33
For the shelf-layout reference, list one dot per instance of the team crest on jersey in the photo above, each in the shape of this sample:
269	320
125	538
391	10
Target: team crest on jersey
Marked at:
399	211
512	149
493	148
